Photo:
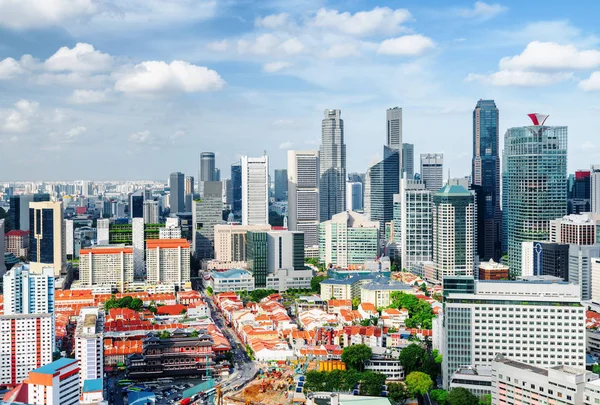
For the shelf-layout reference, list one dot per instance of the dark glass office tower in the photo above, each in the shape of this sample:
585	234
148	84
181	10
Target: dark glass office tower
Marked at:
384	178
332	158
136	205
281	185
236	186
177	198
257	257
486	174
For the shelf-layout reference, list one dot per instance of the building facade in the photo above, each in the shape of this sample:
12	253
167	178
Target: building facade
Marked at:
414	228
17	243
580	267
257	257
206	214
46	233
56	383
332	173
89	344
151	212
168	261
432	171
384	182
303	194
408	161
255	190
28	293
281	185
574	229
19	209
545	259
177	192
110	265
230	241
595	189
236	189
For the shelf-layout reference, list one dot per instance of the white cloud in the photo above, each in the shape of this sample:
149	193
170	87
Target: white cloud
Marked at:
342	50
551	56
15	122
22	14
81	58
273	21
69	136
180	133
482	10
286	145
140	137
161	77
559	31
27	107
292	46
408	45
218	46
270	44
88	96
519	78
592	83
274	67
380	20
9	68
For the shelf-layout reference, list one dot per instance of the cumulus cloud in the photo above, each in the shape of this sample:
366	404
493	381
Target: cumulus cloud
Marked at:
592	83
140	137
27	107
551	56
380	20
69	136
81	58
519	78
273	21
17	119
407	45
162	77
9	69
482	10
274	67
22	14
286	145
88	96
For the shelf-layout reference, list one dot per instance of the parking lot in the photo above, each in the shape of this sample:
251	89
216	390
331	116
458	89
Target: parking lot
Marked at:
167	392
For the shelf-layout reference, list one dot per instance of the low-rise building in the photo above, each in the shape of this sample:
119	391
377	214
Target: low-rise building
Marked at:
476	379
386	365
493	271
393	318
231	280
378	291
56	383
346	288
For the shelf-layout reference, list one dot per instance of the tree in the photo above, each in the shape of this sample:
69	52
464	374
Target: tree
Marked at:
413	358
355	356
439	396
209	291
398	393
164	334
596	368
371	383
486	399
437	356
418	383
136	304
462	396
315	283
195	334
355	302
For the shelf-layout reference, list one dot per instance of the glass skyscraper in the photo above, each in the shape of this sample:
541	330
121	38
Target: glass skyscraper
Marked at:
236	188
534	184
486	174
384	181
332	185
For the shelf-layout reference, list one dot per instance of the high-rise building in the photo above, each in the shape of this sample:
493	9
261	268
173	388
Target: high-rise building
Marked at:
281	185
595	189
230	241
151	212
534	184
454	232
486	174
89	344
27	293
574	229
2	248
17	243
138	237
408	160
432	171
579	192
477	316
69	238
545	259
580	267
106	266
285	261
384	181
217	176
189	185
102	231
19	209
332	159
354	196
206	213
168	261
136	205
255	190
257	257
348	238
46	237
394	128
207	167
303	194
236	188
416	223
177	195
56	383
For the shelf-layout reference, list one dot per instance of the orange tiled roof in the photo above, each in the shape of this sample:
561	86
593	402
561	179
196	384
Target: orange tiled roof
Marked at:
167	243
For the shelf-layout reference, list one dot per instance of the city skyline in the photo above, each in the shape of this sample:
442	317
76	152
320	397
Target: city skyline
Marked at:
78	92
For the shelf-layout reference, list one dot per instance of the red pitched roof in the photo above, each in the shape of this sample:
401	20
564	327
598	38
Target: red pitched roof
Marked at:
17	232
170	309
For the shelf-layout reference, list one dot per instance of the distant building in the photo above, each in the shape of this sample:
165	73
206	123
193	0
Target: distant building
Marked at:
168	260
230	241
177	193
545	259
103	231
236	188
493	271
17	243
354	196
413	223
189	185
151	213
595	189
281	185
579	192
378	291
580	267
574	229
332	159
55	383
255	190
18	212
285	258
207	167
46	233
28	293
408	161
432	171
69	238
110	265
383	180
303	194
136	205
257	257
206	214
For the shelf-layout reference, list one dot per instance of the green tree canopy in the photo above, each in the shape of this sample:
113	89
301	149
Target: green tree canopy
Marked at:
414	358
398	393
371	383
439	396
418	383
315	283
485	400
355	356
462	396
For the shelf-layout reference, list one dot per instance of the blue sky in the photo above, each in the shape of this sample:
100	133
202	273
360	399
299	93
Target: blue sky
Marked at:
136	89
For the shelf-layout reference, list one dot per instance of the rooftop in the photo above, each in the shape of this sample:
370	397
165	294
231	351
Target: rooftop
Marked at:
454	190
55	366
382	283
89	321
522	366
230	273
92	385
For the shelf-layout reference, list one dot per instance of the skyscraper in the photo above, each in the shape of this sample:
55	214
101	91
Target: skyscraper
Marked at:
206	213
595	188
136	205
281	185
177	198
236	188
354	191
255	190
151	212
332	184
408	160
189	185
535	183
432	171
416	223
454	232
384	181
46	237
303	194
486	173
2	247
394	128
207	167
18	212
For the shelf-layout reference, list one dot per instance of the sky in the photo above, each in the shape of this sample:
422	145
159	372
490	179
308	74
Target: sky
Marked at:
136	89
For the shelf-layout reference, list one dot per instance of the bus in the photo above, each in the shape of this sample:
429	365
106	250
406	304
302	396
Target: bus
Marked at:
123	383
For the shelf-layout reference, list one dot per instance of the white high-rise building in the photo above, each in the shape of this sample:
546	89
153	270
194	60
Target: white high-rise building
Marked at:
168	261
432	171
69	236
303	194
416	223
27	293
151	212
102	231
2	248
539	321
137	240
580	267
394	128
595	269
230	241
89	344
47	242
595	189
206	213
106	266
255	190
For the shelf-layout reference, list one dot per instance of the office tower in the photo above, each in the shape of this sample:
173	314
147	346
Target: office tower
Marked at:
353	196
545	259
217	175
69	238
281	185
27	344
535	156
332	161
230	241
580	267
177	199
348	238
257	257
486	174
574	229
106	266
207	167
227	193
89	344
136	205
189	198
46	237
595	189
595	269
168	261
17	243
2	248
56	383
383	179
475	330
416	223
151	212
189	185
236	188
206	213
19	209
138	237
27	293
579	192
432	171
454	232
285	261
255	190
394	128
102	231
303	194
408	161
